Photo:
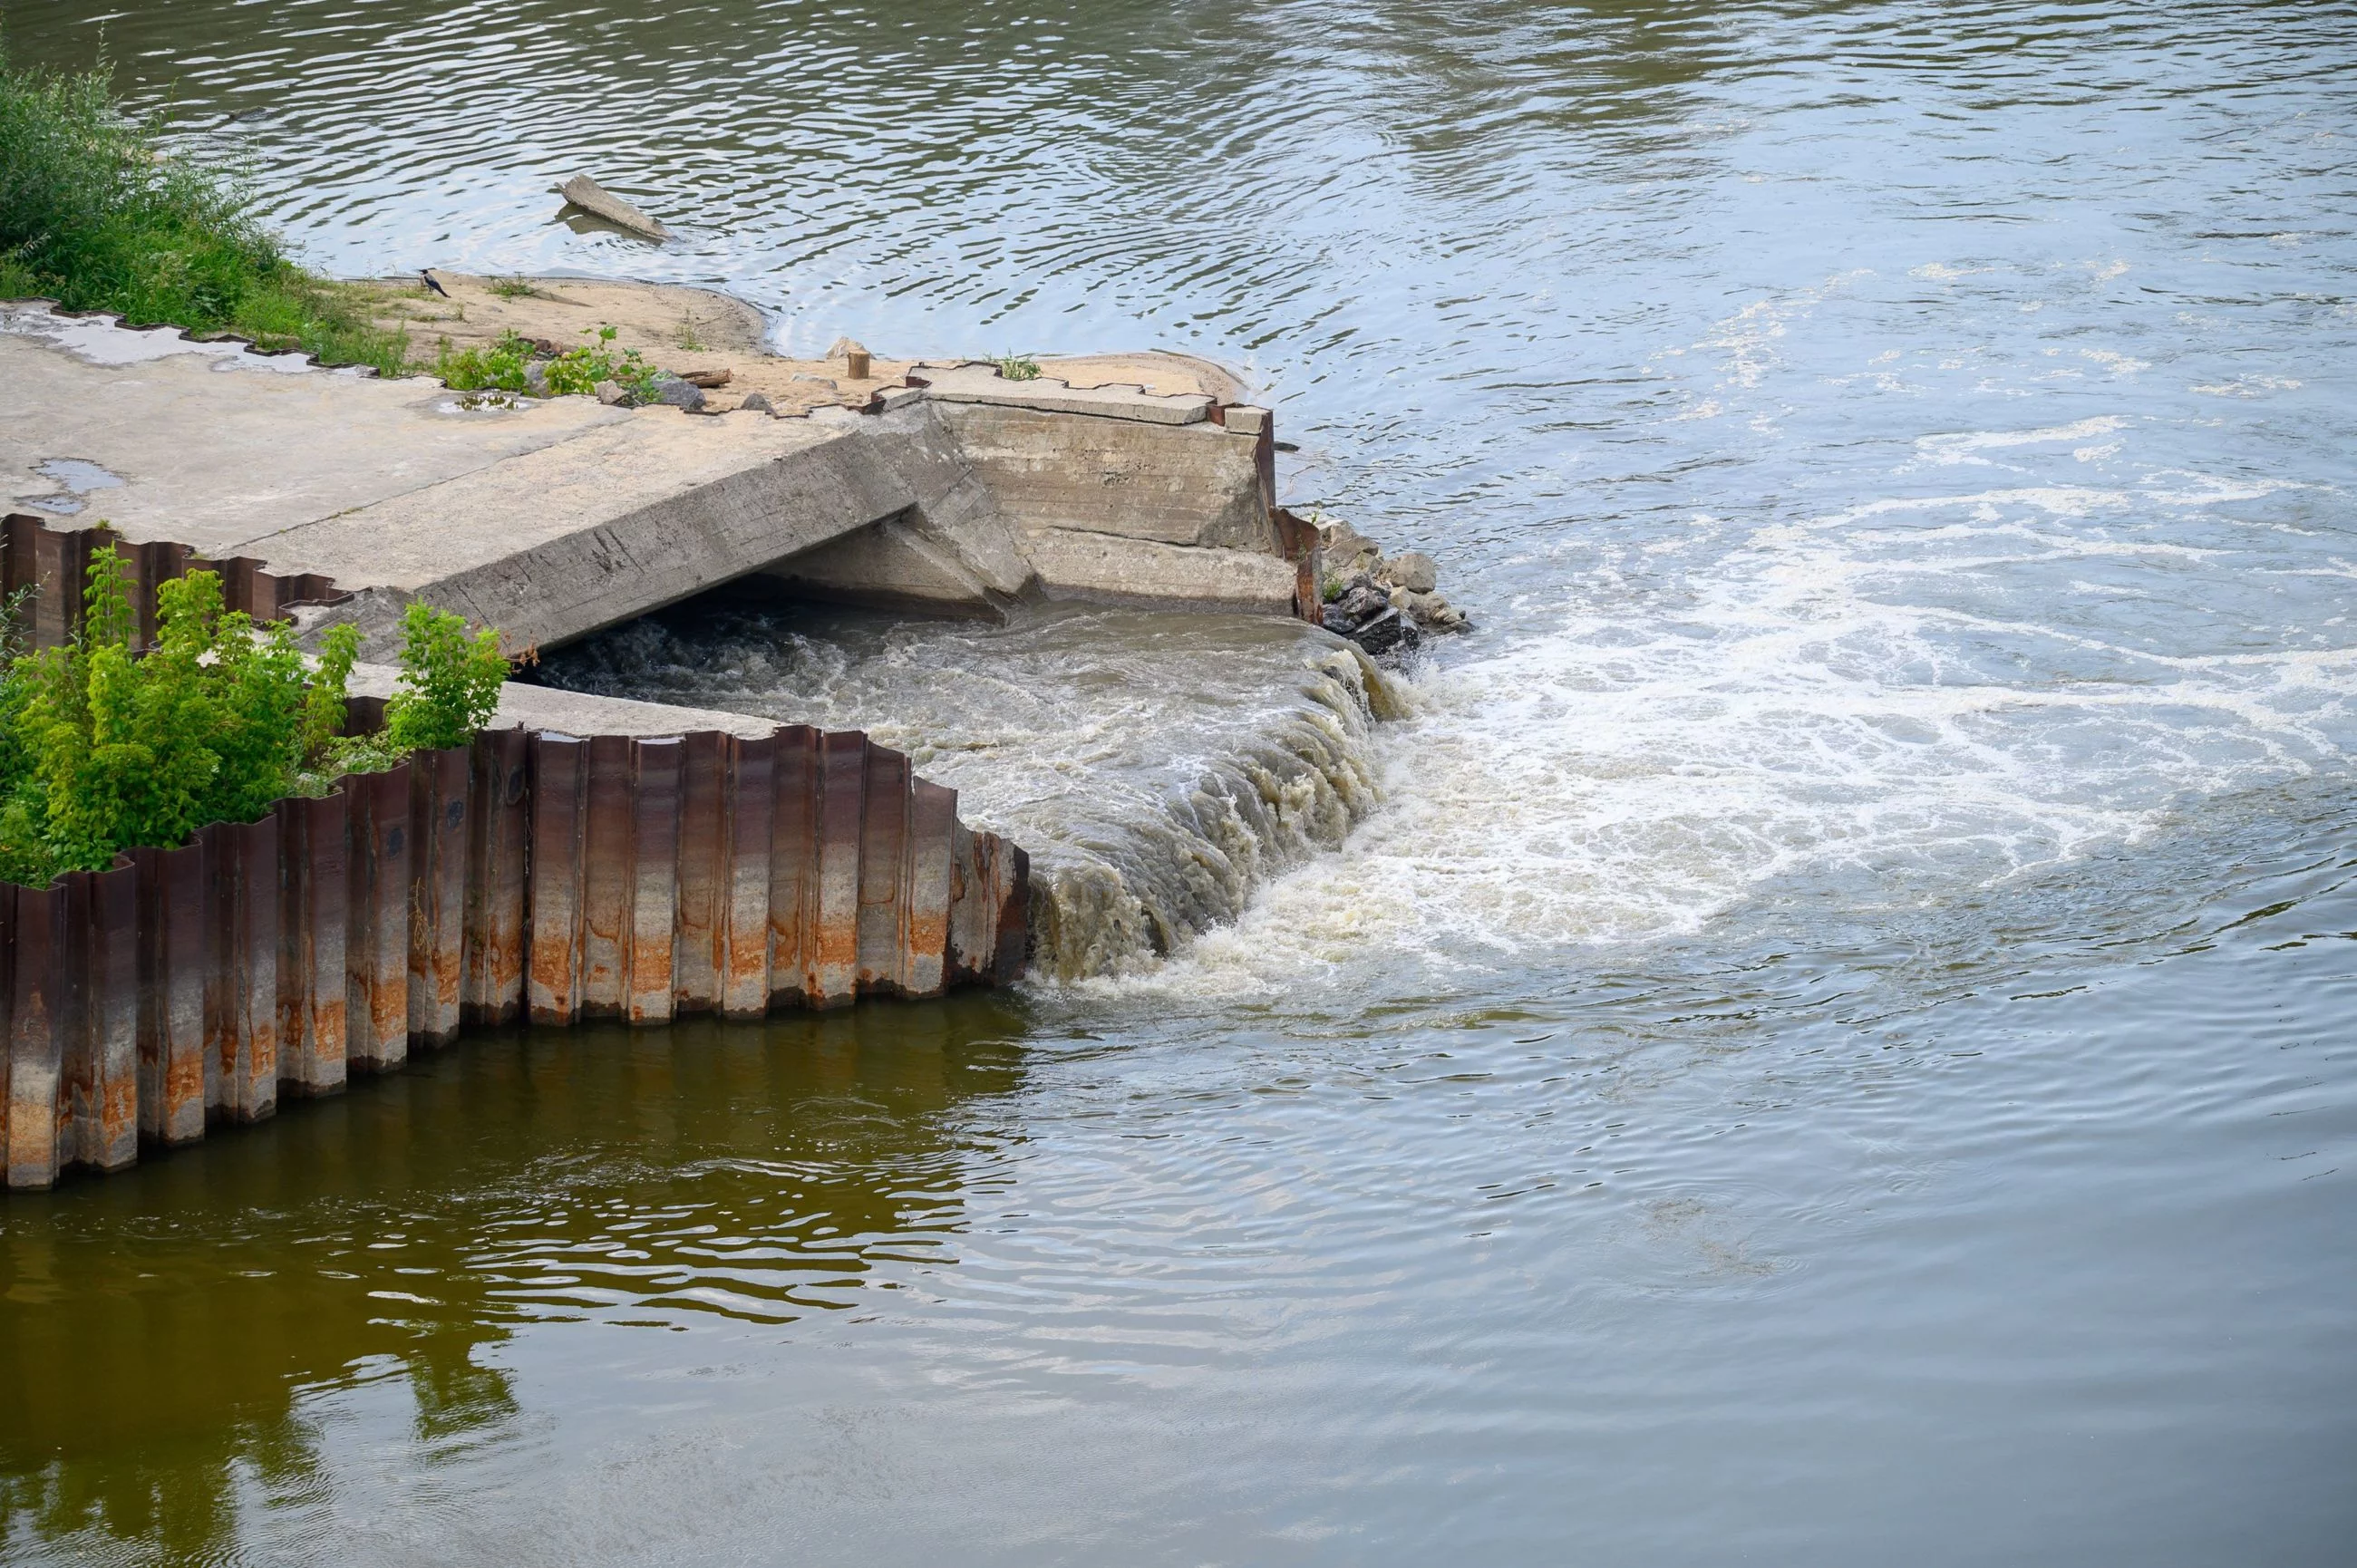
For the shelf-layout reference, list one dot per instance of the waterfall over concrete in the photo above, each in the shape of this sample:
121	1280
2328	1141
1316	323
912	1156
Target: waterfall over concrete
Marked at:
1159	768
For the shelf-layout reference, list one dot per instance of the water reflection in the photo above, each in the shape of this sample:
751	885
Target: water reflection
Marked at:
161	1332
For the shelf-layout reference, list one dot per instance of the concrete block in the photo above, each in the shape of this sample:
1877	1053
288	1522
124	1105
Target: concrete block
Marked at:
1109	569
1189	484
983	384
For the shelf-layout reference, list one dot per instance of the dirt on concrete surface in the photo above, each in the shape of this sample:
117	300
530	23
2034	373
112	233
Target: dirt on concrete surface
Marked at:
684	330
676	328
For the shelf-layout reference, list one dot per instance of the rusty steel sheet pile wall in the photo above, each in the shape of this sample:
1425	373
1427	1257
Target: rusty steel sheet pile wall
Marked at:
532	875
35	555
541	875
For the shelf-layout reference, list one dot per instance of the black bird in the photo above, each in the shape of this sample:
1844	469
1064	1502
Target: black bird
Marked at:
428	274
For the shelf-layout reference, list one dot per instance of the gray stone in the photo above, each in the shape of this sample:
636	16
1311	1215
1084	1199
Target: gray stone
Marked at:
678	393
612	395
1415	572
536	378
759	403
1347	550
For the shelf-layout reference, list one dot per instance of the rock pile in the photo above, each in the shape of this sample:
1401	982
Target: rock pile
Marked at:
1382	603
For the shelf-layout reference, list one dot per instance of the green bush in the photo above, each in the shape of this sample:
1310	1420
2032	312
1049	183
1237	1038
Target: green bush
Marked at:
449	681
502	367
96	215
101	749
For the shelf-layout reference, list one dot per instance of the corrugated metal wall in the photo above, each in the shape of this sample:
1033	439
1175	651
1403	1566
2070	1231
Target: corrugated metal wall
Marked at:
553	876
539	875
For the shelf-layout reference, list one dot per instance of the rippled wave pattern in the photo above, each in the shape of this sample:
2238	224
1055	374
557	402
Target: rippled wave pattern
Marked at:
1829	1042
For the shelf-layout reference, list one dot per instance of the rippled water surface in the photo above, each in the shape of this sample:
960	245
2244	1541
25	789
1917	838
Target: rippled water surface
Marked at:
1828	1042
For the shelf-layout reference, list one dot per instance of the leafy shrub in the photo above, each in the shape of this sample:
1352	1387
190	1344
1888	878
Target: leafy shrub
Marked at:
498	368
449	681
504	366
104	750
96	214
101	749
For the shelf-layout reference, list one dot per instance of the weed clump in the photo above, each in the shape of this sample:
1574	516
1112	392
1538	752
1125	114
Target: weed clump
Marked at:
1018	367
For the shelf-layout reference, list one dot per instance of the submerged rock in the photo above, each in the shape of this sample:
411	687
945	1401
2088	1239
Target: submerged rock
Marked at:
590	197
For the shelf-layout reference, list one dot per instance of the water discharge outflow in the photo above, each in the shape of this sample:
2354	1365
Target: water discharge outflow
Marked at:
1161	768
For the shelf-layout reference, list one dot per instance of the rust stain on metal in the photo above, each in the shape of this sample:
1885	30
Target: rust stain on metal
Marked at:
437	891
560	777
925	934
793	866
700	938
499	824
752	805
883	871
314	924
376	930
605	879
831	936
654	880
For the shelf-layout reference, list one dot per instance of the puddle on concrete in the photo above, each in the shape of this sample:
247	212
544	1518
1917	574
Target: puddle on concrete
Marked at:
101	340
77	478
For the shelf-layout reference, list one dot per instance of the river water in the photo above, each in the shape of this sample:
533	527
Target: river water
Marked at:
1828	1041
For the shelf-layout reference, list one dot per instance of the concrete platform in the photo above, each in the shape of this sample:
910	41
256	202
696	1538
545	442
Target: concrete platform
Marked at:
553	519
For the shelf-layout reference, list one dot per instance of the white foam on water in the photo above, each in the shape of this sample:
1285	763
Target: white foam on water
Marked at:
1811	714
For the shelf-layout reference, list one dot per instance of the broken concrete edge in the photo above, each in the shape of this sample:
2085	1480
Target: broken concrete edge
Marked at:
531	707
642	510
970	380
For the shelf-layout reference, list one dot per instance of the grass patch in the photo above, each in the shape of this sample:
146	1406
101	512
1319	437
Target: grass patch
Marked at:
96	214
1018	367
515	289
